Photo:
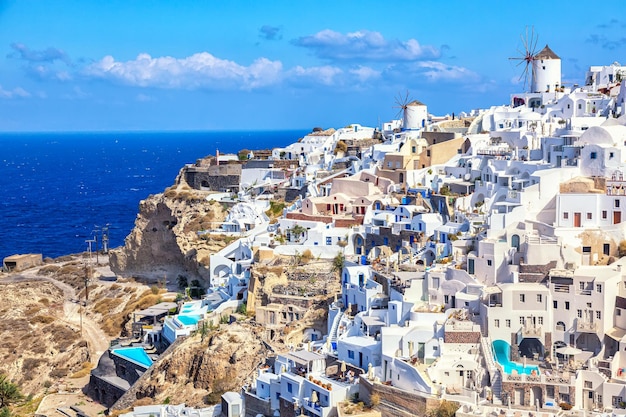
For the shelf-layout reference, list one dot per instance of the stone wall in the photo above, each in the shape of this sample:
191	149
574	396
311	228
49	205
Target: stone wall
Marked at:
286	408
306	217
255	406
395	402
103	391
461	337
130	396
214	178
535	273
126	369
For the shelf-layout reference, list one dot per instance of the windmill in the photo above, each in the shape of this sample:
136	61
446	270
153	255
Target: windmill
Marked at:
402	101
527	55
414	113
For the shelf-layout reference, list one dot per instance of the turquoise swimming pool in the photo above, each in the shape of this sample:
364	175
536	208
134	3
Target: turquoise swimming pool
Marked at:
502	351
188	320
134	354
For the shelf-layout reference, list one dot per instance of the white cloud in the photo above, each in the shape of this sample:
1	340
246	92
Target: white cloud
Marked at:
17	92
365	73
365	45
326	75
438	71
200	70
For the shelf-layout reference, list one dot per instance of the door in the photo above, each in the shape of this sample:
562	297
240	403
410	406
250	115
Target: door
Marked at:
617	217
577	219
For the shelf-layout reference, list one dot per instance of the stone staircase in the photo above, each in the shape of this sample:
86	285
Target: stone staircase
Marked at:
495	377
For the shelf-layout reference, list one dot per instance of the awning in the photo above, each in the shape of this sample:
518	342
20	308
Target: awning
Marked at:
616	333
372	321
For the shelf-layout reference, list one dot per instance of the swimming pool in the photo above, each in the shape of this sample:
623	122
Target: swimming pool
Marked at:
135	355
188	320
503	352
192	306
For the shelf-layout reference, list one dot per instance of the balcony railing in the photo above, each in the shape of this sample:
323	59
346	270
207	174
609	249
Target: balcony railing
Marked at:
560	379
586	326
532	331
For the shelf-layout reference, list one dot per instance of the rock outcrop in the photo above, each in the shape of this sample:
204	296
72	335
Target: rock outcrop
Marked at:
201	368
165	242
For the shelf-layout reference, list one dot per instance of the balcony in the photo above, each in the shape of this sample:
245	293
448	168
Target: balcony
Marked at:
555	378
583	326
532	331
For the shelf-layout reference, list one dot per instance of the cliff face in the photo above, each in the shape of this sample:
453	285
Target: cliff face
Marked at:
201	368
164	242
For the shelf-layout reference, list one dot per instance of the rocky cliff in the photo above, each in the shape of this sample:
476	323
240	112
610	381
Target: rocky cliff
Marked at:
165	242
202	367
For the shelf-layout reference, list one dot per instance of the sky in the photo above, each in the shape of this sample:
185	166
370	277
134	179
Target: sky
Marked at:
92	65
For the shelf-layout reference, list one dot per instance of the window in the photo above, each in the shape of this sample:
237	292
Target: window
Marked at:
604	214
616	401
329	240
579	313
593	155
540	321
598	287
588	384
496	322
446	299
289	387
522	297
539	298
598	314
555	304
618	311
508	322
522	320
589	216
616	203
581	284
588	305
611	154
565	215
427	152
567	305
435	348
488	262
351	354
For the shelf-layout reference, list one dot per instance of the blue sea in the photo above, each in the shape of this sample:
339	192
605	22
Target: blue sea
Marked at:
59	189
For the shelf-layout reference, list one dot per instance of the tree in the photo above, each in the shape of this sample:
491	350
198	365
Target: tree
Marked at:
338	262
182	282
9	392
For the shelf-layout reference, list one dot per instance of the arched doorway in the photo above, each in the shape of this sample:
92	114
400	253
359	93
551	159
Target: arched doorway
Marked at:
536	396
515	242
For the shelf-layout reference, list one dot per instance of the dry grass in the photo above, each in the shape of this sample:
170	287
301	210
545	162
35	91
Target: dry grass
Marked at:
42	319
113	324
84	370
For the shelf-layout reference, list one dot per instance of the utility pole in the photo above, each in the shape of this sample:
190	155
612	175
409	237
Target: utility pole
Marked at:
89	270
105	238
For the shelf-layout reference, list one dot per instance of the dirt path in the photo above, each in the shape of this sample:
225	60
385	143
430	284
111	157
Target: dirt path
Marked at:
74	313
